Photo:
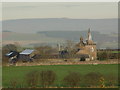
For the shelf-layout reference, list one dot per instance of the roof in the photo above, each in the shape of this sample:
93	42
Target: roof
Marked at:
81	51
12	53
27	51
84	55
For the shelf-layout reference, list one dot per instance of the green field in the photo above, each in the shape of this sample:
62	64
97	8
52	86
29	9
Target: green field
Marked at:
18	72
115	52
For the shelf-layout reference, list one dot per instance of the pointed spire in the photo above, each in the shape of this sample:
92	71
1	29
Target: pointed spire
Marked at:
88	30
89	35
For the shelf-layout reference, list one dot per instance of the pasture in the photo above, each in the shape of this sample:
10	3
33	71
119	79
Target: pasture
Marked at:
18	73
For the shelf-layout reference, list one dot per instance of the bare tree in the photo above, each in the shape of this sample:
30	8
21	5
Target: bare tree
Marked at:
45	50
70	45
92	79
47	77
71	48
32	78
72	79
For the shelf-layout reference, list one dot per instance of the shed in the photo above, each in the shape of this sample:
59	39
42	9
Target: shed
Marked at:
13	56
27	55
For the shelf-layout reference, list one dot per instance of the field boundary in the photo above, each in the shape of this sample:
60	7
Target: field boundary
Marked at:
115	61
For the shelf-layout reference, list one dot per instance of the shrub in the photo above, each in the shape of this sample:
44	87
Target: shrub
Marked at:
92	79
32	78
102	55
72	79
13	83
118	80
47	77
111	80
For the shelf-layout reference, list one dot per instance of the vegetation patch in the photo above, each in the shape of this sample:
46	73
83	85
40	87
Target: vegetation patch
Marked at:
53	75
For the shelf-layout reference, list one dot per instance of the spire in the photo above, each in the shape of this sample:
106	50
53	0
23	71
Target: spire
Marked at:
89	35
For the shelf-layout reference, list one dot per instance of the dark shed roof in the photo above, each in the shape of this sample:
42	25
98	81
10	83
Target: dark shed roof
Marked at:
12	54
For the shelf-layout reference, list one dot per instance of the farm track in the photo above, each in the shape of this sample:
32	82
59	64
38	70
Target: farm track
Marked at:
115	61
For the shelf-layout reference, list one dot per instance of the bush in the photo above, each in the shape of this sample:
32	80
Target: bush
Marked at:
72	79
13	83
32	78
119	81
111	80
47	77
92	79
102	55
45	50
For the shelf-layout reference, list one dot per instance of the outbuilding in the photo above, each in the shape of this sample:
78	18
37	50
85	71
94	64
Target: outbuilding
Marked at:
13	56
27	55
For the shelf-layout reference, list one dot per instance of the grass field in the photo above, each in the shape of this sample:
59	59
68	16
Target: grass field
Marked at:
115	52
18	72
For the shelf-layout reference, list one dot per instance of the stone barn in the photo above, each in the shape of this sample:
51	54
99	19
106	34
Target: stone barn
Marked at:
87	47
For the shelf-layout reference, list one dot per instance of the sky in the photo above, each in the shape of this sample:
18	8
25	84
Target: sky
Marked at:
76	10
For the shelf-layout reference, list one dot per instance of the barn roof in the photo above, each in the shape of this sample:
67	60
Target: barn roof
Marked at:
27	51
8	54
12	53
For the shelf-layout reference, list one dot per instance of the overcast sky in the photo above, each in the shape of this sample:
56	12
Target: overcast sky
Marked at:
92	10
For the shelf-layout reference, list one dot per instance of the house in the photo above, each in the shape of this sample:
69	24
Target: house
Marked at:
27	55
87	47
13	56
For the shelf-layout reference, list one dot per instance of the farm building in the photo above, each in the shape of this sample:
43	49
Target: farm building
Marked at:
13	56
27	55
87	47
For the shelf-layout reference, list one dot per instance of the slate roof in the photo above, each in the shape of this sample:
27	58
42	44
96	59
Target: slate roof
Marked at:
12	54
27	51
8	54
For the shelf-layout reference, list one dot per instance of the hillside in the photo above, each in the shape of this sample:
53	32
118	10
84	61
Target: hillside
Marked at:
60	24
27	39
54	37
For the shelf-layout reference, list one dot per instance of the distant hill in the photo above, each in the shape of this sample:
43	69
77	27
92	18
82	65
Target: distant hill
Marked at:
7	31
75	35
60	24
102	40
54	37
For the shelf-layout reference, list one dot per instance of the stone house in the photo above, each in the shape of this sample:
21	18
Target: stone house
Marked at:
87	47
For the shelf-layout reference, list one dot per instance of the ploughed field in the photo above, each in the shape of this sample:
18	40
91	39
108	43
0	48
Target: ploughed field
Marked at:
18	73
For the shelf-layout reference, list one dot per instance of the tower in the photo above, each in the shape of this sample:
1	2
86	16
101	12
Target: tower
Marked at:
91	46
88	48
89	35
89	39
